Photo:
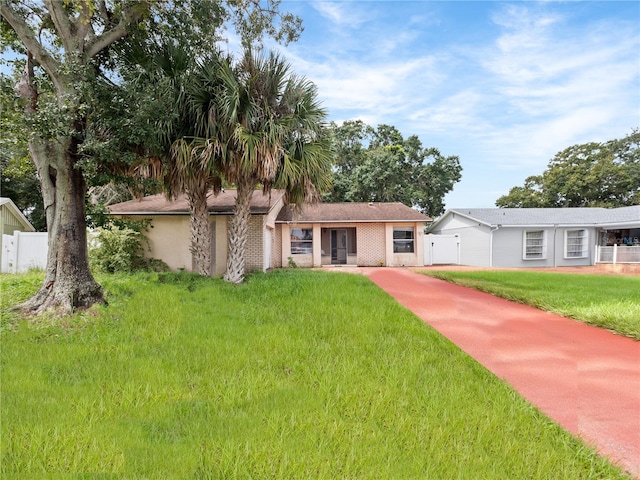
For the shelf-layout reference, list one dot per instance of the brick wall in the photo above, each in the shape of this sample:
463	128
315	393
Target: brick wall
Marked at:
276	248
255	244
371	244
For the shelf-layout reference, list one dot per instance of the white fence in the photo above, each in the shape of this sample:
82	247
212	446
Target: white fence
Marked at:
23	251
441	249
618	254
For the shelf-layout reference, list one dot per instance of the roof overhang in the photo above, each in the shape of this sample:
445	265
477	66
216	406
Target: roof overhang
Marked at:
7	202
295	222
457	212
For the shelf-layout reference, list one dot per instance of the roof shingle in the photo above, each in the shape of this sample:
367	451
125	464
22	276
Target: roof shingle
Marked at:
551	216
352	212
222	203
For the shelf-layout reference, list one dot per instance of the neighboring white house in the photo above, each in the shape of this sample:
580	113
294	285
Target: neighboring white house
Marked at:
12	218
543	237
22	247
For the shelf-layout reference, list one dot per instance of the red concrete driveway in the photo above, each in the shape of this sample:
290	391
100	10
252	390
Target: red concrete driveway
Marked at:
585	378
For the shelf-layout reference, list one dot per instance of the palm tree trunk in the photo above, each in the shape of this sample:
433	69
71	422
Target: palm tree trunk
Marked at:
239	232
200	231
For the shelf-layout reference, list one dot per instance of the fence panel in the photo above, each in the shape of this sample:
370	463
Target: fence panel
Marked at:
23	251
619	254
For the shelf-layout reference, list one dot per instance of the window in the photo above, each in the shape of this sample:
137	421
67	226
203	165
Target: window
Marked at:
403	238
534	247
301	240
575	243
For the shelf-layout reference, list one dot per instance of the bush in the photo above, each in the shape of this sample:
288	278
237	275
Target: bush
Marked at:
121	249
118	249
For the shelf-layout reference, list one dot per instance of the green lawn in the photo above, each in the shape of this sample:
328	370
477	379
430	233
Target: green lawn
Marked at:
608	301
295	374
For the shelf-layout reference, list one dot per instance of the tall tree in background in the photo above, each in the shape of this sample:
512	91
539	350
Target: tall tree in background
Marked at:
587	175
68	46
379	165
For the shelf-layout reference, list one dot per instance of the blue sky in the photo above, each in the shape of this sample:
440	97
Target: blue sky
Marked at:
503	85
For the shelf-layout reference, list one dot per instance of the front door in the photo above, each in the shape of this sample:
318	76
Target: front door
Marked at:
339	246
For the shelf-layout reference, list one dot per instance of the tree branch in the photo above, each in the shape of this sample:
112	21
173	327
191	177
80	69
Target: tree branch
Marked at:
27	36
62	24
121	30
83	25
104	13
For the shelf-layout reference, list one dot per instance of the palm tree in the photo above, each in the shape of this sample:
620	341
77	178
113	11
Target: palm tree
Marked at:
271	133
184	89
250	124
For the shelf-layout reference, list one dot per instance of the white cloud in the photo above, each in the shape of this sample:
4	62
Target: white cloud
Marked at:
536	80
341	13
457	112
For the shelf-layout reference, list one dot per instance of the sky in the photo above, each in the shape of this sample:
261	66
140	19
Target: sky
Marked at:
502	85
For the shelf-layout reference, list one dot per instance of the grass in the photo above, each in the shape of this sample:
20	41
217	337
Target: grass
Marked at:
607	301
295	374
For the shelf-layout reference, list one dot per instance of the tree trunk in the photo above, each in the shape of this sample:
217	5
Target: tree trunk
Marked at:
239	232
68	284
200	232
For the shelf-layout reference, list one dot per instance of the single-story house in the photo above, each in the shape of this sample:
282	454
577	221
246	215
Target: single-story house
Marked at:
363	234
542	237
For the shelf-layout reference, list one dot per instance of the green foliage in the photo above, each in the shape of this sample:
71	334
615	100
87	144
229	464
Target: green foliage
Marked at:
119	247
113	118
294	374
20	183
606	301
588	175
117	250
80	112
18	176
379	165
292	262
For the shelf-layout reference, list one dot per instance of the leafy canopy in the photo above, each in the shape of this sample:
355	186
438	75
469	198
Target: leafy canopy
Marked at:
88	57
587	175
380	165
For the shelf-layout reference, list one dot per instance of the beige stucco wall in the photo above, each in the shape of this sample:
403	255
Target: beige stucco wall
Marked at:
220	245
169	240
405	259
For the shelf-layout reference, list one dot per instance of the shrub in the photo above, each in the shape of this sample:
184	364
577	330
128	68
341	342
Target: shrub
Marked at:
118	249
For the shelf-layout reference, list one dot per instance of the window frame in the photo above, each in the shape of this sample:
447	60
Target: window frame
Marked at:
526	246
583	244
404	241
303	245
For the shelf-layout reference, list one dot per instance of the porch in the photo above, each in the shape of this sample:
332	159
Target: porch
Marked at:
618	246
618	254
